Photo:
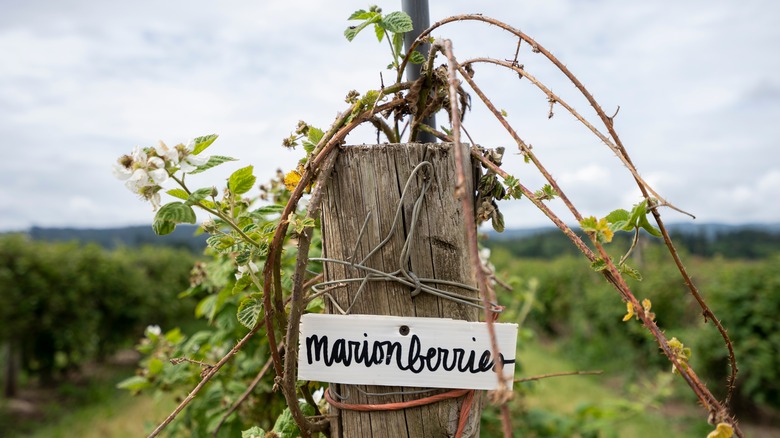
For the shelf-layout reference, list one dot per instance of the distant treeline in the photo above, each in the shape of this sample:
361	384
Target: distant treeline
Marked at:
183	237
732	242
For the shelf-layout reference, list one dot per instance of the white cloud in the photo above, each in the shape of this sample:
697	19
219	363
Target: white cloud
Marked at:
83	82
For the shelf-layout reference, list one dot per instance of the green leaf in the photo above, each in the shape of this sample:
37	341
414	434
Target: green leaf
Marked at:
619	215
134	384
269	209
174	336
416	58
253	432
638	212
249	312
631	272
313	137
398	44
199	195
221	242
201	143
547	193
620	226
362	14
206	306
242	283
589	224
155	366
647	226
599	265
397	22
176	212
497	220
163	227
178	193
242	180
285	425
352	31
214	160
380	32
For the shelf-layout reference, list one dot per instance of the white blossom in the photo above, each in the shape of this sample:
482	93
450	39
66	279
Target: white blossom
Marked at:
188	161
170	155
153	330
121	172
249	267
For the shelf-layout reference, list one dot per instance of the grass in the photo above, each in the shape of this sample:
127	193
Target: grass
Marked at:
600	401
611	409
87	406
121	416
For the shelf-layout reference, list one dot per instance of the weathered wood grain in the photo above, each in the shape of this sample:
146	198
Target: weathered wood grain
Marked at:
370	179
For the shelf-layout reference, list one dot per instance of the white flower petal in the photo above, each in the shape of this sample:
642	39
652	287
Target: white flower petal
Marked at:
121	172
158	176
155	163
138	180
139	156
154	198
196	160
154	329
170	155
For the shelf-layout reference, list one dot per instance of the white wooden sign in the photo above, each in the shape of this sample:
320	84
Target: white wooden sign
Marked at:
401	351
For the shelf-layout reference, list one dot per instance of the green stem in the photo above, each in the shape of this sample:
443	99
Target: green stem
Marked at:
219	214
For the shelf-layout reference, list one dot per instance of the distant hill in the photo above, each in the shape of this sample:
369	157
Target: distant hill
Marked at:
751	241
182	237
710	230
705	239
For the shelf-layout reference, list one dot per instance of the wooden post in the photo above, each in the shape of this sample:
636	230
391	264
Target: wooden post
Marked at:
369	179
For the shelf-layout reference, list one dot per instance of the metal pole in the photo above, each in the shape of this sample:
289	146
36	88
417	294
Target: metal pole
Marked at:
418	11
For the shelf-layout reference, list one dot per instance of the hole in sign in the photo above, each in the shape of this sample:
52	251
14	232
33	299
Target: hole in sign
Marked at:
404	330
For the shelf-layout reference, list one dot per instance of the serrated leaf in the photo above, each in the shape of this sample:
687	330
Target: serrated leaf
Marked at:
397	22
201	143
242	283
598	265
362	14
221	242
253	432
243	257
416	58
313	137
176	212
631	272
199	195
242	180
589	224
214	160
178	193
315	134
352	31
163	227
249	312
285	425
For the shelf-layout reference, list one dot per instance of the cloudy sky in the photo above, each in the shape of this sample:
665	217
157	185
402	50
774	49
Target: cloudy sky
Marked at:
83	82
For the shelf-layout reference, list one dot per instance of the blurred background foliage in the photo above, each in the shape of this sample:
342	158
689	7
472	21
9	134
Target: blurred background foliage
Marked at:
65	305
